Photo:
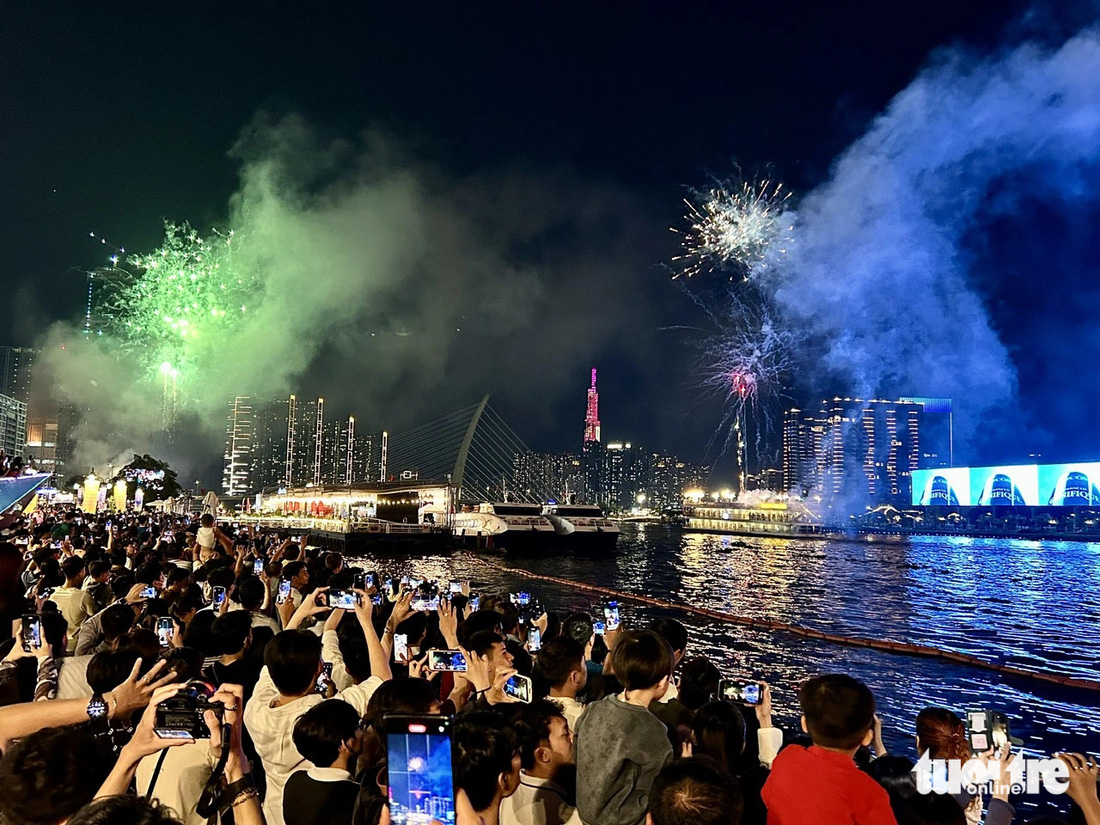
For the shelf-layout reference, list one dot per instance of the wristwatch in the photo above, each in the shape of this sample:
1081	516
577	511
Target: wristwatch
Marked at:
97	707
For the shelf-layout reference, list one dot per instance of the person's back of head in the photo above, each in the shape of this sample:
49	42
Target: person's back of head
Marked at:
578	626
895	774
699	680
837	711
719	730
207	520
559	659
293	660
110	668
231	631
220	575
250	594
50	775
478	621
148	573
694	791
333	561
642	659
55	628
116	621
930	809
353	647
186	662
321	732
98	568
293	569
73	567
672	632
125	810
199	633
401	696
942	733
486	765
509	616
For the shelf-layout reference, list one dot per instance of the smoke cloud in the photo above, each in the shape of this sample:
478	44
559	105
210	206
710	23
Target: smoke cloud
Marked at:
890	274
394	291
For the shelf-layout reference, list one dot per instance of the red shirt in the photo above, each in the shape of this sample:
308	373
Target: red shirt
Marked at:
813	786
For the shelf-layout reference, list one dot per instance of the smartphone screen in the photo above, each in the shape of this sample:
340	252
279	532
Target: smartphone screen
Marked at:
164	630
324	678
420	777
519	687
611	615
456	587
148	592
400	647
32	633
343	599
376	599
475	603
451	661
425	604
257	567
749	693
284	592
534	639
598	628
217	596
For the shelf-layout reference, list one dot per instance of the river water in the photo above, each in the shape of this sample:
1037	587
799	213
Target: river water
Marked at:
1027	603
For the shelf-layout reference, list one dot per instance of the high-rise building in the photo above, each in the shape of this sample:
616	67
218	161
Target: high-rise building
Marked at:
592	412
13	425
593	455
16	364
239	442
853	449
669	476
543	476
44	443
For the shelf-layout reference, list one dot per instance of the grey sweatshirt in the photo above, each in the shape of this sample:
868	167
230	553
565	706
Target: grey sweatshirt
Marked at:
620	748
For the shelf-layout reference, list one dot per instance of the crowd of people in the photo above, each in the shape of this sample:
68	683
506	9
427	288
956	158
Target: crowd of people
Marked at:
165	669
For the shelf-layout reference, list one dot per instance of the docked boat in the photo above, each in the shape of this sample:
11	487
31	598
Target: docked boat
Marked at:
499	525
582	528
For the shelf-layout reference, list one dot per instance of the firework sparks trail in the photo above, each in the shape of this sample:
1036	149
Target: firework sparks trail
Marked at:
740	228
169	306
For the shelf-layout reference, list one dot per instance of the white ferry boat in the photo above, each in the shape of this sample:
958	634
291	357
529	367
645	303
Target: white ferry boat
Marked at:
583	528
500	525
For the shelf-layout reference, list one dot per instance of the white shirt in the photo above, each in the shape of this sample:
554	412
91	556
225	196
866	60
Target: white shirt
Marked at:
182	778
272	730
537	802
330	653
72	677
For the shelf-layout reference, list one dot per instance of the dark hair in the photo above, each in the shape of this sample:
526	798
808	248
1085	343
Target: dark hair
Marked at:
483	749
54	628
321	730
292	660
148	573
699	680
220	576
478	622
509	615
943	734
931	809
72	567
117	620
176	574
719	730
293	569
333	560
558	658
110	668
126	810
230	631
250	593
531	724
121	584
482	643
672	632
839	710
400	696
199	633
578	626
50	775
641	659
695	791
206	520
98	568
895	774
185	661
353	647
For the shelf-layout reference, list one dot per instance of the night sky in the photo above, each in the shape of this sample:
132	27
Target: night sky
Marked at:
117	119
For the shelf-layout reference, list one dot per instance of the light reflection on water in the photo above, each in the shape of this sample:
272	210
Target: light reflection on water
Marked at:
1032	604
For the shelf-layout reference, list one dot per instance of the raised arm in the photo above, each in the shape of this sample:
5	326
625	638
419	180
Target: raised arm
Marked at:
379	657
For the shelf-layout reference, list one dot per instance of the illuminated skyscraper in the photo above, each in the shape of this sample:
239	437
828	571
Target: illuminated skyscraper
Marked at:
592	414
13	425
239	442
15	372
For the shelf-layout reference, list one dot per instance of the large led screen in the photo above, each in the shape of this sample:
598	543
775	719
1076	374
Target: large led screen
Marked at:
1005	486
942	488
1069	485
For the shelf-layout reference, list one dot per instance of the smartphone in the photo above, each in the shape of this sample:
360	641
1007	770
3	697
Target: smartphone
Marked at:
217	596
988	730
475	603
343	599
420	777
611	615
735	690
456	587
324	678
284	592
521	599
376	599
165	628
390	588
598	628
359	580
534	639
257	567
32	632
519	687
451	661
150	592
425	603
400	647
